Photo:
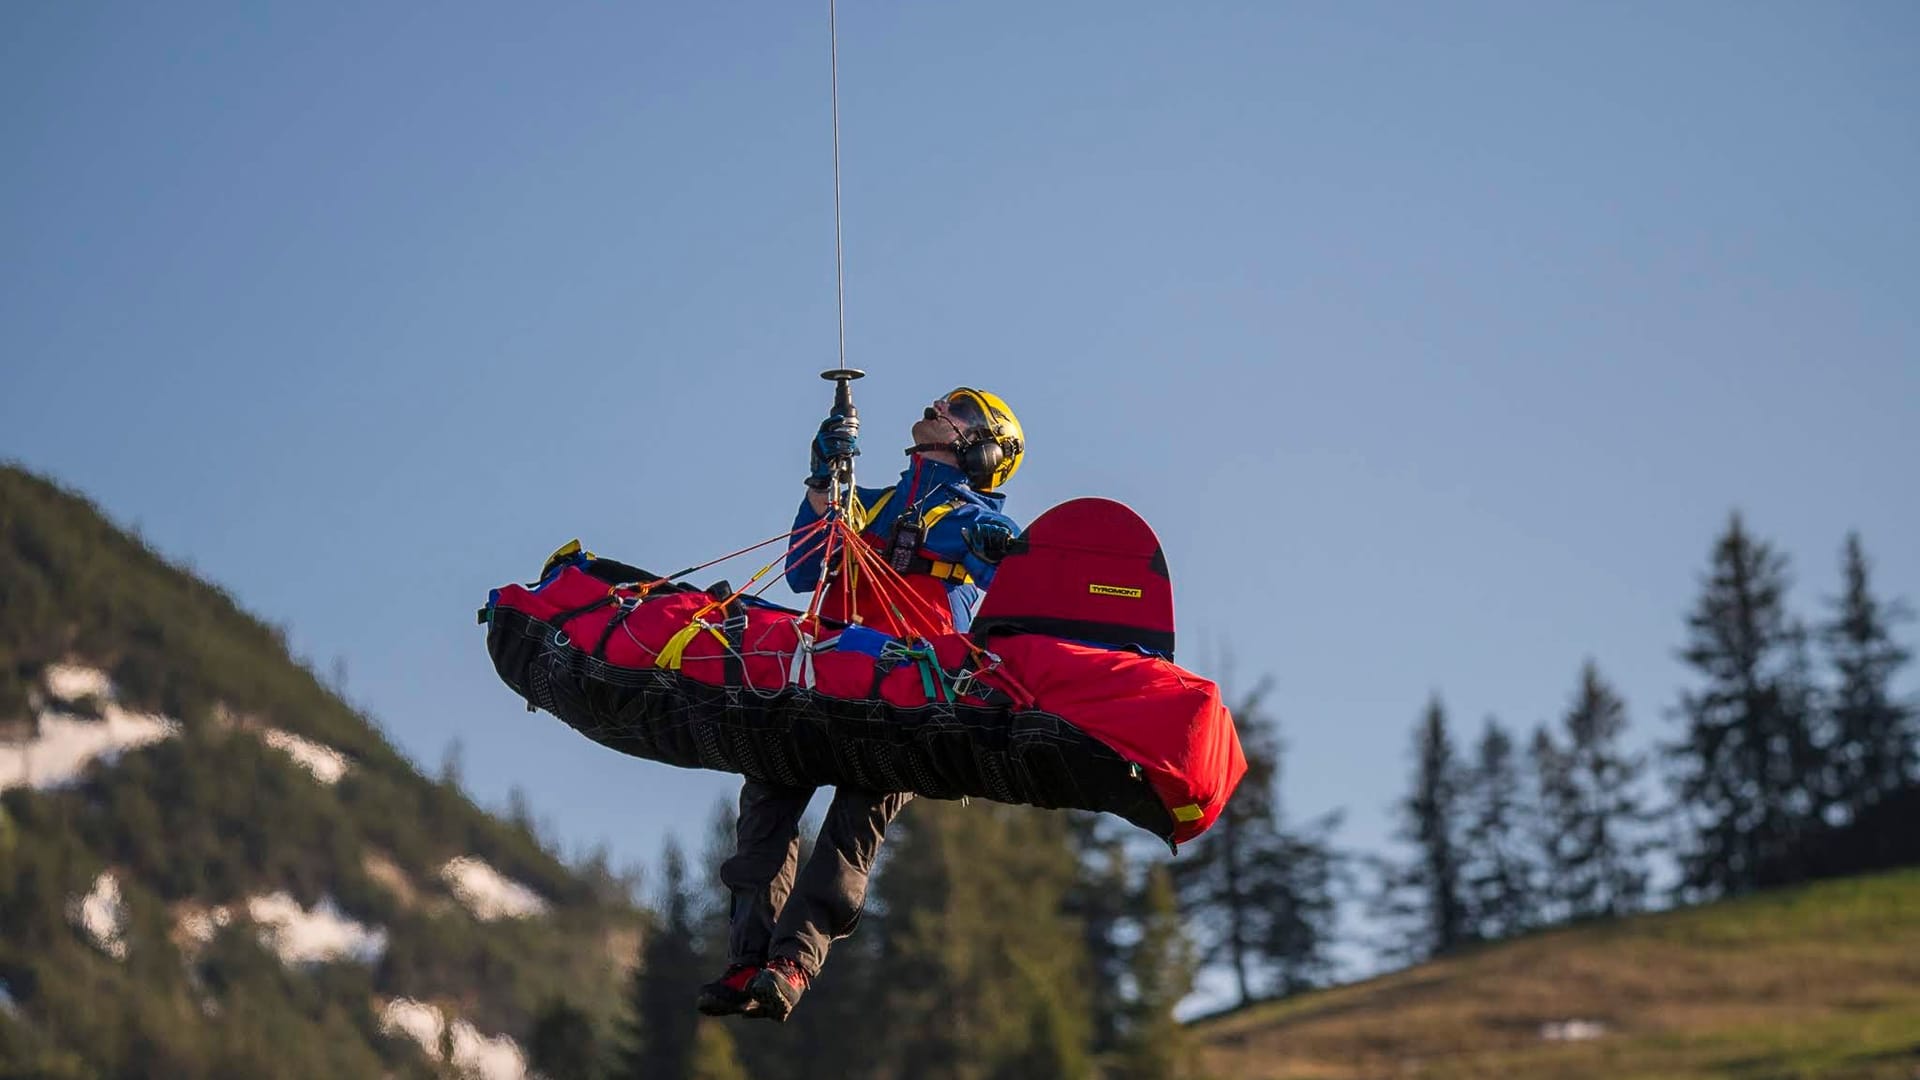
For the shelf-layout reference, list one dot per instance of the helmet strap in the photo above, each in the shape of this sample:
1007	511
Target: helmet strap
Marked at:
979	452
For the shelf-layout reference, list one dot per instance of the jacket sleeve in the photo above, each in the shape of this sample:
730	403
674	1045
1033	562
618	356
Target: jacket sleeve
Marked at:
805	555
949	540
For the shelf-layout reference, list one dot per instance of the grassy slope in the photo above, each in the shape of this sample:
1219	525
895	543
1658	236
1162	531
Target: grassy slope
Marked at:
1822	980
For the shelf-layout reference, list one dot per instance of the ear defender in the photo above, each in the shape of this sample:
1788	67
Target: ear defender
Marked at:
981	460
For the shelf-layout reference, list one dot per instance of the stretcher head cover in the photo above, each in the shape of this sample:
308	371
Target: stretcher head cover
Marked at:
1087	570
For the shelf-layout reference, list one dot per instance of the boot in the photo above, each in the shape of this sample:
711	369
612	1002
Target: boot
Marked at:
778	986
727	995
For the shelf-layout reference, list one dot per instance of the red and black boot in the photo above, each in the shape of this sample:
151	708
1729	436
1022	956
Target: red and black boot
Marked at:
778	987
728	995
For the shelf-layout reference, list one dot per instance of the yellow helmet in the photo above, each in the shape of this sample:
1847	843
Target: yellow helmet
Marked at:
991	445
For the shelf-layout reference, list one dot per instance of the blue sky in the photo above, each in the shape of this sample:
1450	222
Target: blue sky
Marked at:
1437	341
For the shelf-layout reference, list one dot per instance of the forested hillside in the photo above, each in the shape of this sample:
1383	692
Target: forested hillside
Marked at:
211	865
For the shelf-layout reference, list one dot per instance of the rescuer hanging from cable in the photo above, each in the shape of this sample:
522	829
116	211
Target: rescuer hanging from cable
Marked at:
941	528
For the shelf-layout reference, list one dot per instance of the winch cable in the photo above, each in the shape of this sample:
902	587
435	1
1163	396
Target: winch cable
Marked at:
839	526
839	259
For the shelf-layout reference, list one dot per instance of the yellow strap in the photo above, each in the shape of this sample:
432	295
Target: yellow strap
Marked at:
945	571
864	515
1189	812
950	571
673	652
934	515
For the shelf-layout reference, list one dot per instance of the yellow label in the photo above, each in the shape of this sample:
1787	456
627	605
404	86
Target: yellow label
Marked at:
1115	590
1189	812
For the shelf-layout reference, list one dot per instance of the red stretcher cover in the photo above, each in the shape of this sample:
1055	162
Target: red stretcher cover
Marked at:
692	678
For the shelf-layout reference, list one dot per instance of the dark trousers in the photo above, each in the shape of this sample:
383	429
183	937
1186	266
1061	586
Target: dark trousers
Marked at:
778	912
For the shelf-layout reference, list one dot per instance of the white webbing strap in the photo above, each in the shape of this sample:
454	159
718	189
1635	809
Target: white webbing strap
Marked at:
800	667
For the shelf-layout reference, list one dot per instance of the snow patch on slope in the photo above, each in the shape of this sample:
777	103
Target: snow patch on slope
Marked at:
325	763
63	745
488	893
295	934
72	682
101	916
386	873
491	1058
301	936
1572	1030
195	929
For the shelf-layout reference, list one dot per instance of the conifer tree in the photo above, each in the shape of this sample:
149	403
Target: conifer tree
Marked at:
1561	804
1748	771
660	1036
1261	896
1426	894
981	971
1156	1045
714	1057
564	1044
1098	900
1594	829
453	765
1298	929
1055	1045
1501	880
1875	739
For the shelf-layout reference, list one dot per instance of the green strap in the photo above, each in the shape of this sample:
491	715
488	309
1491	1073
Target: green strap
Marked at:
933	678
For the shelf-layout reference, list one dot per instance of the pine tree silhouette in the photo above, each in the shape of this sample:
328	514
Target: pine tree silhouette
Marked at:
1596	836
1875	740
1260	896
1425	896
1501	876
1748	771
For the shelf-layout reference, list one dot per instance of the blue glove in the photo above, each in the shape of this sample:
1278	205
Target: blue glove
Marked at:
990	540
838	437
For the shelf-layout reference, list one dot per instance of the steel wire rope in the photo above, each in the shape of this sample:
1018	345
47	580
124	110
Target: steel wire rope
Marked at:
839	257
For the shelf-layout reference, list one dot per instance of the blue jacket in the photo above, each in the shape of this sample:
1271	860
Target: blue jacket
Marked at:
925	485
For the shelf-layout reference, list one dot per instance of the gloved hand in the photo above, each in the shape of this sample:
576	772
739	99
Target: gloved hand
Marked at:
837	436
990	540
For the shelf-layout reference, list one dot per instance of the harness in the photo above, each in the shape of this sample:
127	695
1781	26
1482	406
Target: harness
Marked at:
901	546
